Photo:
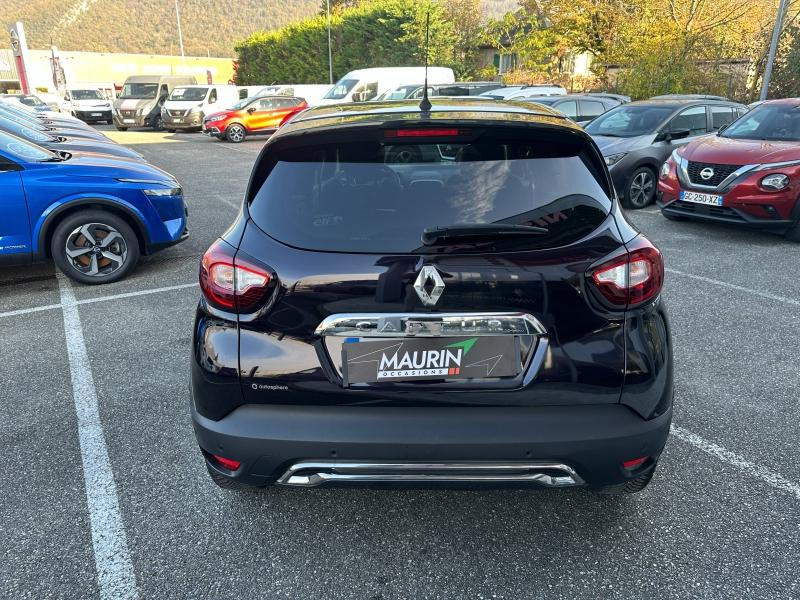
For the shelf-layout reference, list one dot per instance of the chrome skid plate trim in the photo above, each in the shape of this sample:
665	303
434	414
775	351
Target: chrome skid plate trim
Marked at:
313	473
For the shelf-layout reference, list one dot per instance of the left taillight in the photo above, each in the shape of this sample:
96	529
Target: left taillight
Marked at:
633	278
230	282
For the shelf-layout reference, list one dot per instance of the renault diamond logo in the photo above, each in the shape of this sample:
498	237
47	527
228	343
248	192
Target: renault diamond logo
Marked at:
429	285
707	173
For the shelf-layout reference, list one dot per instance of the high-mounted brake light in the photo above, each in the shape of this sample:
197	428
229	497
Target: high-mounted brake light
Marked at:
428	132
230	282
633	278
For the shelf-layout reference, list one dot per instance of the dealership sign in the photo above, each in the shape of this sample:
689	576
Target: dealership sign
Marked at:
19	47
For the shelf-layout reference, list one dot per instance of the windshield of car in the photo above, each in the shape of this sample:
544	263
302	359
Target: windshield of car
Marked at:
630	121
380	197
398	93
191	94
15	113
24	131
773	122
86	95
139	90
341	89
24	151
31	100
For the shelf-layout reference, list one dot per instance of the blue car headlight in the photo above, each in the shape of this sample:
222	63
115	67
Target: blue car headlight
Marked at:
159	192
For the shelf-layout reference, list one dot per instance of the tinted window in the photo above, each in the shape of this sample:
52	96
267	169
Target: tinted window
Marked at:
591	109
693	119
568	108
366	91
721	115
380	197
630	121
774	122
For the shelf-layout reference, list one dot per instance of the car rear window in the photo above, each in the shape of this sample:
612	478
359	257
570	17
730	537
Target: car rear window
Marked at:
380	196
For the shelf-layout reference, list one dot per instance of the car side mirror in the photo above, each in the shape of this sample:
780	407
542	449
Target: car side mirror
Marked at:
251	110
679	134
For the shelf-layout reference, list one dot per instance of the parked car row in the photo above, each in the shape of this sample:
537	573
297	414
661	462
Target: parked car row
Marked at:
70	194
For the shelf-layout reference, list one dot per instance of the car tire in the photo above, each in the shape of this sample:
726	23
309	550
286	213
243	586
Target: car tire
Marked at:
110	122
235	133
170	131
793	233
121	128
229	483
632	486
641	188
79	232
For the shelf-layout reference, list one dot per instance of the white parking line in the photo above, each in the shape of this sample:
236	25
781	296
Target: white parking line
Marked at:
25	311
759	471
733	286
115	575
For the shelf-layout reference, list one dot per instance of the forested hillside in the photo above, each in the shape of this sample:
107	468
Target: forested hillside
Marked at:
148	26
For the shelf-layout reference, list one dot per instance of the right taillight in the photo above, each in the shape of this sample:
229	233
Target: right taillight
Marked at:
230	282
633	278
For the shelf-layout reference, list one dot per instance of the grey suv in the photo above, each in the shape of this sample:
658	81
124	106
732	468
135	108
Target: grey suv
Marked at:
637	138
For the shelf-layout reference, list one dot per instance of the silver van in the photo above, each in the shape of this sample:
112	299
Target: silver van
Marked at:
139	104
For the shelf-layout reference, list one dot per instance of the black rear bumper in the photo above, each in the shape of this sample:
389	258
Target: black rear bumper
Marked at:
594	440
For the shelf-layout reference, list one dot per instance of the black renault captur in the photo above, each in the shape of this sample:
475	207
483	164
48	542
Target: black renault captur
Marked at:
442	297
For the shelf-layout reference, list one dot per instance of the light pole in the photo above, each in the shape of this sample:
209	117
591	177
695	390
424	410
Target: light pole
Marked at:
773	48
180	34
330	54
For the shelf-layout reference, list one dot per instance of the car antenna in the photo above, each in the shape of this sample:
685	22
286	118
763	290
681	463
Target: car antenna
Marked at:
425	103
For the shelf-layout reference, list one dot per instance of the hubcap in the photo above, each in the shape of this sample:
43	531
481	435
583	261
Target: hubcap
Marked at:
236	134
96	249
641	189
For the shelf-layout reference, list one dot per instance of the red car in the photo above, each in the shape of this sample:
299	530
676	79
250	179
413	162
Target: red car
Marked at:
749	173
252	116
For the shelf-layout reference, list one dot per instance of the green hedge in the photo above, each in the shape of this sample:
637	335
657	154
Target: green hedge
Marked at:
380	33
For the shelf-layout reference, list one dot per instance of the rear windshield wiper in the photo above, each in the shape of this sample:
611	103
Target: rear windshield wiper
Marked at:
478	231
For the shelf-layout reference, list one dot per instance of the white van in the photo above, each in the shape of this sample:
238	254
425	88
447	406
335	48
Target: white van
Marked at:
249	91
87	104
312	93
187	105
367	84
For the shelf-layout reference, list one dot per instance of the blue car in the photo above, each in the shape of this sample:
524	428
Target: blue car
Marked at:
93	214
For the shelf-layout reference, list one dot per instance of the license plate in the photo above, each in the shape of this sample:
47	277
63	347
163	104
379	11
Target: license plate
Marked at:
698	198
178	120
127	120
97	114
445	358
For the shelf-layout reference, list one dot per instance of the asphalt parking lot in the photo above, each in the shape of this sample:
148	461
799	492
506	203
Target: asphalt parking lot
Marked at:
96	399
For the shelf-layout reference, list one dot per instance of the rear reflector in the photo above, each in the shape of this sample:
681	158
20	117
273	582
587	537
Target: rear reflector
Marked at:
430	132
226	463
632	464
633	278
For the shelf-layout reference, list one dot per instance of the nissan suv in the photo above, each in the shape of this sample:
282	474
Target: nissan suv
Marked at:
442	297
748	174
